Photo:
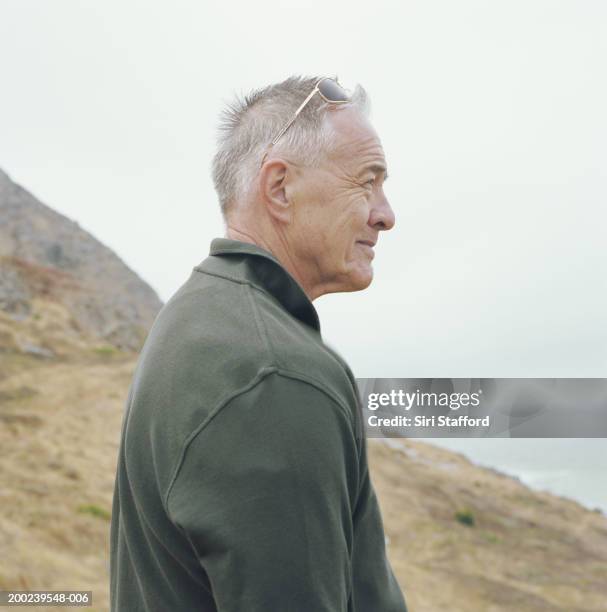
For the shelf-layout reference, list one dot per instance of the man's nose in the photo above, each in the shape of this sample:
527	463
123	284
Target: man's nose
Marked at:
382	216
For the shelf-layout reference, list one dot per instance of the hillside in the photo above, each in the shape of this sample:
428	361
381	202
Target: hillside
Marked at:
59	431
45	254
60	424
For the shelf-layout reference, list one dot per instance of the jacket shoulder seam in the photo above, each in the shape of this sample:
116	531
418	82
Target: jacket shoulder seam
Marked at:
259	319
258	379
239	281
260	323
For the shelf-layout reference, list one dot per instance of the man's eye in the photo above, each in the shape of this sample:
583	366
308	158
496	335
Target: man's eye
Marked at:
370	182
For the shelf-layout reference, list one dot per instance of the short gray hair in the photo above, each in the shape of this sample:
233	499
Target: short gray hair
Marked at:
248	125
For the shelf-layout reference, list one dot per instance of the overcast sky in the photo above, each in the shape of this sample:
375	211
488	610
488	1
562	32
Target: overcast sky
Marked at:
491	114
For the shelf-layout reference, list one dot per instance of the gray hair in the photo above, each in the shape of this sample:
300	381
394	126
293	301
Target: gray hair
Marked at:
248	125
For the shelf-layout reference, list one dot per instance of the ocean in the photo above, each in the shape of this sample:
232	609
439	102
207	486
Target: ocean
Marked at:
570	467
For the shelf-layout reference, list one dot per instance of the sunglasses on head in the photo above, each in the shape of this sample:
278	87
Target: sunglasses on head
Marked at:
329	90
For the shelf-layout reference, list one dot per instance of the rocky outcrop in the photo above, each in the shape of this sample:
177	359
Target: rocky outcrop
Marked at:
45	254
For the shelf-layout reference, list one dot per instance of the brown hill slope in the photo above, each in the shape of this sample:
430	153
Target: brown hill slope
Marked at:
59	431
43	253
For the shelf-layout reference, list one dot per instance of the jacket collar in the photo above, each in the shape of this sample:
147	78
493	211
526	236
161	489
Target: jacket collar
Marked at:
251	263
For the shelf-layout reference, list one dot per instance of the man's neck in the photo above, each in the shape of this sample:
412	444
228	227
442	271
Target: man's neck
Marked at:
277	248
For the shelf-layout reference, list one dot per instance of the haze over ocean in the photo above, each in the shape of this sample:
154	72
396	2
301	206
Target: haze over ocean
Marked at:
571	467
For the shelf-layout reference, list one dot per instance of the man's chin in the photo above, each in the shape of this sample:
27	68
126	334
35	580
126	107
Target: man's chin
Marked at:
361	280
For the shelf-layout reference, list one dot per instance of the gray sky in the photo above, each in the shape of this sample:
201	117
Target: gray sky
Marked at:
492	117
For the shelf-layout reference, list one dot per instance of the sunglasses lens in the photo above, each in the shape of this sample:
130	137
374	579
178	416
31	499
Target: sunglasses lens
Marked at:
333	91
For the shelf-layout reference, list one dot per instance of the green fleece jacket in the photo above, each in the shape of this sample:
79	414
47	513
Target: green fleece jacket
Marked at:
242	482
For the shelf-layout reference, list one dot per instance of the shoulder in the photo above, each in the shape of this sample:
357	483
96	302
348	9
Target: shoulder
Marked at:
208	331
217	344
281	427
289	399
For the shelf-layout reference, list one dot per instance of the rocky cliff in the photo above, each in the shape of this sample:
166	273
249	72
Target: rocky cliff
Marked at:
46	256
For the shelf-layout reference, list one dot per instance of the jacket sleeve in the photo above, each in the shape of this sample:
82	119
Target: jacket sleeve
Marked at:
265	495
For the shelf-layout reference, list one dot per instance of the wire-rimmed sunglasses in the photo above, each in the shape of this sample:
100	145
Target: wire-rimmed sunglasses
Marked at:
329	90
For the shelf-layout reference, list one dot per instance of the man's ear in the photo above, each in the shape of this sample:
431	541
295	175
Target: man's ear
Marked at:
274	183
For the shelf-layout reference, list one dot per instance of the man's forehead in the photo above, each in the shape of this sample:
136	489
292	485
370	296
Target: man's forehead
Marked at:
356	141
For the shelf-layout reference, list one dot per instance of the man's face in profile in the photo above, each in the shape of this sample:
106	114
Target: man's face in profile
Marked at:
340	208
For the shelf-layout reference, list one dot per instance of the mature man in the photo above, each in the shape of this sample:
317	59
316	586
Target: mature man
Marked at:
242	482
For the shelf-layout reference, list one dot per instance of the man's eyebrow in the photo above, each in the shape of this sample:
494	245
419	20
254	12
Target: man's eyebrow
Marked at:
377	168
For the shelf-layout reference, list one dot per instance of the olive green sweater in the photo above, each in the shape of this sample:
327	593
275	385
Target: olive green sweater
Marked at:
242	482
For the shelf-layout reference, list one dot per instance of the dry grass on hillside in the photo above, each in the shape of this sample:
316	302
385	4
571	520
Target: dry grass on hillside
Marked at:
511	548
58	441
525	551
